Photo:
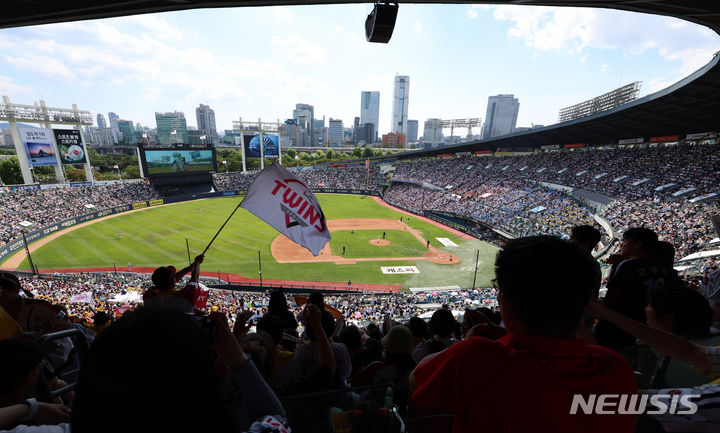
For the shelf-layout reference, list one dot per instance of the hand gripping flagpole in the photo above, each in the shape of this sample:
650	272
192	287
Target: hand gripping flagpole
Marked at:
221	227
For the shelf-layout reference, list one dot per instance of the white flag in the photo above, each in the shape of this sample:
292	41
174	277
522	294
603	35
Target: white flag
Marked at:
286	203
174	132
203	137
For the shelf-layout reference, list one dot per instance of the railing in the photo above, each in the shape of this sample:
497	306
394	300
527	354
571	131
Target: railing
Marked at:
81	344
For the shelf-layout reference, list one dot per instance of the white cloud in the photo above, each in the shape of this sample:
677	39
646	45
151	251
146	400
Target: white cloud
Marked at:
8	86
604	67
574	30
297	49
418	26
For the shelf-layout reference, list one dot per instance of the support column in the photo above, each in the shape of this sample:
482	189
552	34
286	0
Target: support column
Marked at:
19	148
279	145
262	151
59	174
88	170
242	144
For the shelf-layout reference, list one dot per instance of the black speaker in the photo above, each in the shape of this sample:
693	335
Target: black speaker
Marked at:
380	24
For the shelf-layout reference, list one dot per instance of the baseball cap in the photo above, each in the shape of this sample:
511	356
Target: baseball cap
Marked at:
164	277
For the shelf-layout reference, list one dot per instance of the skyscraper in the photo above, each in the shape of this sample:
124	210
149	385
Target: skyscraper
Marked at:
171	128
335	132
114	118
206	122
501	115
412	131
129	136
400	104
101	121
370	109
304	115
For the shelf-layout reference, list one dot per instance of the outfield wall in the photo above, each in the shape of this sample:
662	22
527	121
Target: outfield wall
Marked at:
13	246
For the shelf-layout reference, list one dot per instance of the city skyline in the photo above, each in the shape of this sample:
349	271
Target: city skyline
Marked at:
548	57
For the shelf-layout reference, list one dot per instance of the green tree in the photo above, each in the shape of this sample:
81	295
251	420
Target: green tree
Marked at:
74	174
331	154
291	153
132	172
305	156
8	151
10	172
357	152
367	152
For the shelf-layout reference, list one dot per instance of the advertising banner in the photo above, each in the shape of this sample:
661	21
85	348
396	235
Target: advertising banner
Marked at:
139	205
270	146
69	146
631	141
664	139
38	146
156	202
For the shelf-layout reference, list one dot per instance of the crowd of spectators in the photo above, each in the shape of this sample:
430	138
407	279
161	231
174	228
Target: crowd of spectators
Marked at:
268	362
331	177
651	185
43	207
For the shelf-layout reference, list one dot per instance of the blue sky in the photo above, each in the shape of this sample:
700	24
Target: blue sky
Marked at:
258	62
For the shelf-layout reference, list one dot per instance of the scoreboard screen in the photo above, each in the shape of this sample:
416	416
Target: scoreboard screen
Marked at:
178	161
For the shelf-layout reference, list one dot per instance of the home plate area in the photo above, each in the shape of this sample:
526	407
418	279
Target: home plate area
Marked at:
285	251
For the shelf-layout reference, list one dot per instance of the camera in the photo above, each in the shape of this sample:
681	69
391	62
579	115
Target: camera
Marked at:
207	326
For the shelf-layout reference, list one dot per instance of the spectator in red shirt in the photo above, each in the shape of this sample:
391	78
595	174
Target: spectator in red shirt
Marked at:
526	380
164	293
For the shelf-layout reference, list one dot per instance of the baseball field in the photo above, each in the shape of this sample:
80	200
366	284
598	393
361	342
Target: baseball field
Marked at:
366	236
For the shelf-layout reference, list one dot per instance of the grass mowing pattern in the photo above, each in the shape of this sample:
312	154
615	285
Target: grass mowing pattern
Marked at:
156	236
357	244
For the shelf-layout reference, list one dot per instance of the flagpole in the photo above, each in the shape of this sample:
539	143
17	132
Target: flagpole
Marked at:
187	245
223	226
260	269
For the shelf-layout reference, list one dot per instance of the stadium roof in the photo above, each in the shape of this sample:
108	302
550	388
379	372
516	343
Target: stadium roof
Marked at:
687	107
30	12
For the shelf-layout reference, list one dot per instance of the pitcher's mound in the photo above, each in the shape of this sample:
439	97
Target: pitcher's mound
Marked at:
380	242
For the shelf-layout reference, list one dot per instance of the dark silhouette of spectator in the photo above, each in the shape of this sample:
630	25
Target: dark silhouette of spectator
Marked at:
155	364
634	273
544	284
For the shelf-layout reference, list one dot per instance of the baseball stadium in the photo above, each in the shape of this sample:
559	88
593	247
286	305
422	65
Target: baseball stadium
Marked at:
173	279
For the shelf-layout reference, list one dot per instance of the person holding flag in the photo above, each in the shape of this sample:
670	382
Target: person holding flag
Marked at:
164	294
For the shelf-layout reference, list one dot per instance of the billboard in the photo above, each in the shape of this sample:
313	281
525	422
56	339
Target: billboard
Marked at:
70	146
38	146
270	146
178	161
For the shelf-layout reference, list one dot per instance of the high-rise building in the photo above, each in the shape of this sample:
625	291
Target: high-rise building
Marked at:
501	115
127	131
171	128
113	119
206	122
365	134
335	132
432	133
101	121
401	96
304	115
412	131
370	109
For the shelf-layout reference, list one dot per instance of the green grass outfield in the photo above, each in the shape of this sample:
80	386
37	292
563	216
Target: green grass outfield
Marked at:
156	236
